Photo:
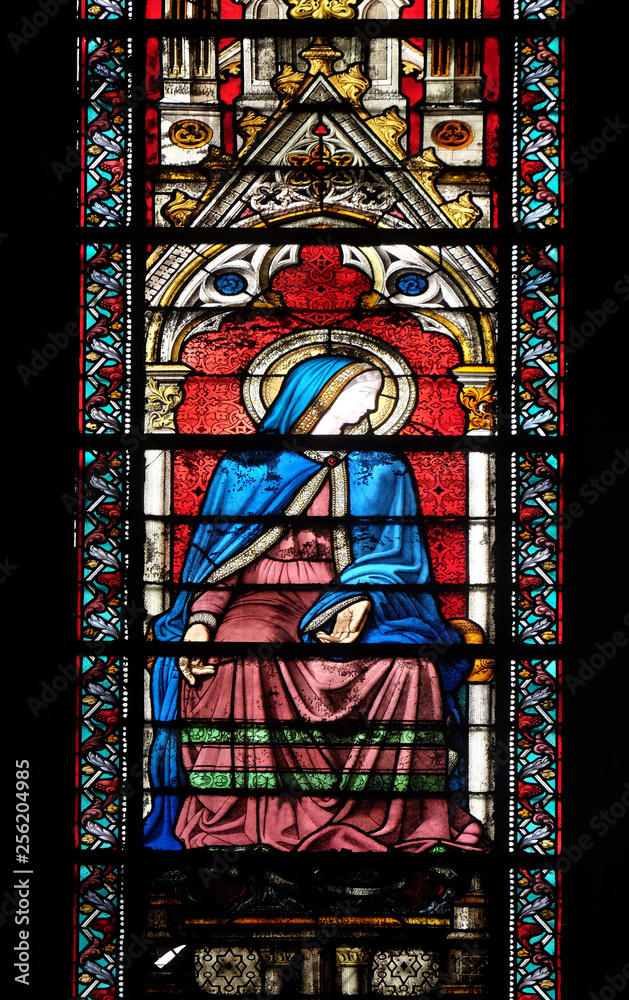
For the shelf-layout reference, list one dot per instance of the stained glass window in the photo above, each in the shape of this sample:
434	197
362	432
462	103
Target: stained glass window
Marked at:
287	441
321	469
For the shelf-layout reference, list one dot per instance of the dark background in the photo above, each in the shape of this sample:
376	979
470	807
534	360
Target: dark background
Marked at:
39	267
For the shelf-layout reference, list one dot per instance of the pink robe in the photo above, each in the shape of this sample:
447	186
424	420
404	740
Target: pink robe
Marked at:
228	717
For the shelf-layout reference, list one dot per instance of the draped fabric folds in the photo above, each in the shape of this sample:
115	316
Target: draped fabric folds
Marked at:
386	550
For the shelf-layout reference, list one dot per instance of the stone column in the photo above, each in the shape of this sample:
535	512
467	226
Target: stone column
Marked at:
468	960
480	745
157	569
477	396
281	967
480	508
164	392
353	964
157	507
315	977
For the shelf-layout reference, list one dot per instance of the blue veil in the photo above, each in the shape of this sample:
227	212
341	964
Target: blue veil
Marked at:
259	483
299	389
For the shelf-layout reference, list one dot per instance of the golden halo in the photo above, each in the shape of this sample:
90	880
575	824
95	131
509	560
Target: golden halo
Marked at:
269	368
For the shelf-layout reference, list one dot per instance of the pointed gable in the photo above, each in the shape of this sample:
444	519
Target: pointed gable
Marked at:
322	156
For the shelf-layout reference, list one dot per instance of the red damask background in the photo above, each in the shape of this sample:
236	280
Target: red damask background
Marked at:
319	291
212	401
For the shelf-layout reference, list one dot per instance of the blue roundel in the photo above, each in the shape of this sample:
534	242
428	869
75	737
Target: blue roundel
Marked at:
412	284
230	284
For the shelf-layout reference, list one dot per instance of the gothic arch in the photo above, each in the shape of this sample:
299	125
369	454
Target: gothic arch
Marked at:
178	274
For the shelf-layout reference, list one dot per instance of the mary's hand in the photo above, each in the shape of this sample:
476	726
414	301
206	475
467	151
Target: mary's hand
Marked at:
193	667
348	624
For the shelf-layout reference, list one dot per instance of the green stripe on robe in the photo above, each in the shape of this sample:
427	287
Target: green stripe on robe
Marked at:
293	782
283	735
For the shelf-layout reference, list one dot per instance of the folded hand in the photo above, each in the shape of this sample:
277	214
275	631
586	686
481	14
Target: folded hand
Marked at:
348	624
193	667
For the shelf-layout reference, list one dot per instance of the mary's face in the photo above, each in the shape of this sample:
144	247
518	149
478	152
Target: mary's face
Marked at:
356	400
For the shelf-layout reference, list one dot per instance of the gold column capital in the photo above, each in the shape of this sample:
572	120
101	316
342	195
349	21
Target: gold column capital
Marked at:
477	395
163	395
351	956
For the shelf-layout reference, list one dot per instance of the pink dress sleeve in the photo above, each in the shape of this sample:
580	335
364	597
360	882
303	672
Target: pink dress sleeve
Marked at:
208	607
289	561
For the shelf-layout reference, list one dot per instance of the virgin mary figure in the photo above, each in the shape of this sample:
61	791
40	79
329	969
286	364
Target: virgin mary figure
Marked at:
332	748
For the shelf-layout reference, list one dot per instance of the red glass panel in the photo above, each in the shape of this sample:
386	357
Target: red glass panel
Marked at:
212	406
192	471
453	603
448	550
441	482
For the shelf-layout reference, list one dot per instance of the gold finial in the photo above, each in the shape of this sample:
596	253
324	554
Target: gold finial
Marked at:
321	57
322	9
